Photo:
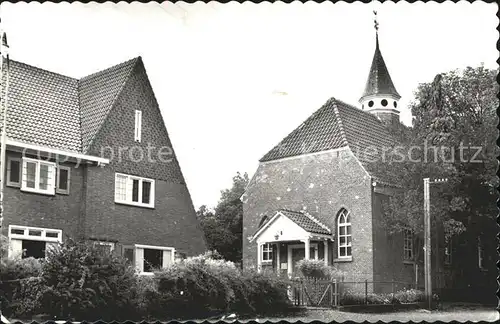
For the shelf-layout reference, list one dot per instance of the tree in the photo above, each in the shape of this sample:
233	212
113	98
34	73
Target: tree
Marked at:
223	225
453	121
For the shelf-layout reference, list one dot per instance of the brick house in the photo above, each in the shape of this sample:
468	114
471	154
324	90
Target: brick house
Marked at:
91	159
318	193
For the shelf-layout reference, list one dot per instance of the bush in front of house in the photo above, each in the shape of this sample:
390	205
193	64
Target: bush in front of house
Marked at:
202	286
83	283
17	276
27	298
318	269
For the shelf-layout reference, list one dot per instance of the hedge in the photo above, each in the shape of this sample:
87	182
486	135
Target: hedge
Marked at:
77	282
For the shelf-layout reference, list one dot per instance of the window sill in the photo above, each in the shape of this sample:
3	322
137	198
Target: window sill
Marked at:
146	274
345	259
135	204
46	193
13	185
62	192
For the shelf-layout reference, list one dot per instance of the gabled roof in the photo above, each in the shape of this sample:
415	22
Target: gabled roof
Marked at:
97	93
337	124
320	132
307	222
60	112
302	219
379	80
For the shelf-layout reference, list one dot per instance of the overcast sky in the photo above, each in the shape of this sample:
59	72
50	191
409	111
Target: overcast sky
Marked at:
233	79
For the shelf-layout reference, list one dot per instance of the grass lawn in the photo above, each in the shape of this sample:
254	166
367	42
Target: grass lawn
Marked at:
451	312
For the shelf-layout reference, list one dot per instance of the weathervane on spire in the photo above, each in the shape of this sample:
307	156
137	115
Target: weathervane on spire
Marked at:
375	21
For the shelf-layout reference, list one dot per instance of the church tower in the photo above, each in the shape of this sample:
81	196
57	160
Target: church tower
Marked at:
380	96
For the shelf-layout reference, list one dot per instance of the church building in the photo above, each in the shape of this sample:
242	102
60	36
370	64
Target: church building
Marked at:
318	194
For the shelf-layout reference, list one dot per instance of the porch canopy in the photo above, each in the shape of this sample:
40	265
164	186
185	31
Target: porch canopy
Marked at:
289	226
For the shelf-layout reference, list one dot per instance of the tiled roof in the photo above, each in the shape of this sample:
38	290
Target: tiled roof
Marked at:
56	111
337	124
97	93
43	108
322	131
379	80
307	222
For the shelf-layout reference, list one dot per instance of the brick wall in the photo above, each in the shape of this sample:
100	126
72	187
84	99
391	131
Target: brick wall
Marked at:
321	184
37	210
173	221
388	256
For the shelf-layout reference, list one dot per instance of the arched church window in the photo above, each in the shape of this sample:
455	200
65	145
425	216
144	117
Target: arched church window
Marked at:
395	104
344	234
263	221
384	102
370	103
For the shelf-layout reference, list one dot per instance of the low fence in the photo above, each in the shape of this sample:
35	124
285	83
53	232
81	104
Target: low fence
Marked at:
326	292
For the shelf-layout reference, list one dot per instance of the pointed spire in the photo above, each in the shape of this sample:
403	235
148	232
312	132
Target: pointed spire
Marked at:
379	81
4	46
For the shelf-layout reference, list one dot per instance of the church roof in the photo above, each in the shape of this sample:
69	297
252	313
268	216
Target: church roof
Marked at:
335	125
57	111
379	80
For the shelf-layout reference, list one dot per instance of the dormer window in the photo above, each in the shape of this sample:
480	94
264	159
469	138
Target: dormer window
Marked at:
138	126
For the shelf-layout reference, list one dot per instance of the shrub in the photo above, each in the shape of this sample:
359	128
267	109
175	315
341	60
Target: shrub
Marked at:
14	274
202	286
267	293
83	283
11	269
318	269
409	296
27	297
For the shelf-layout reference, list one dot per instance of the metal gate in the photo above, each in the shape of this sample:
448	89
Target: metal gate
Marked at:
314	292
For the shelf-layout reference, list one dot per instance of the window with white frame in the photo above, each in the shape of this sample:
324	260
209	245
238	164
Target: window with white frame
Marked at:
344	234
138	125
14	171
134	190
25	241
447	251
408	244
267	252
148	258
63	176
38	176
